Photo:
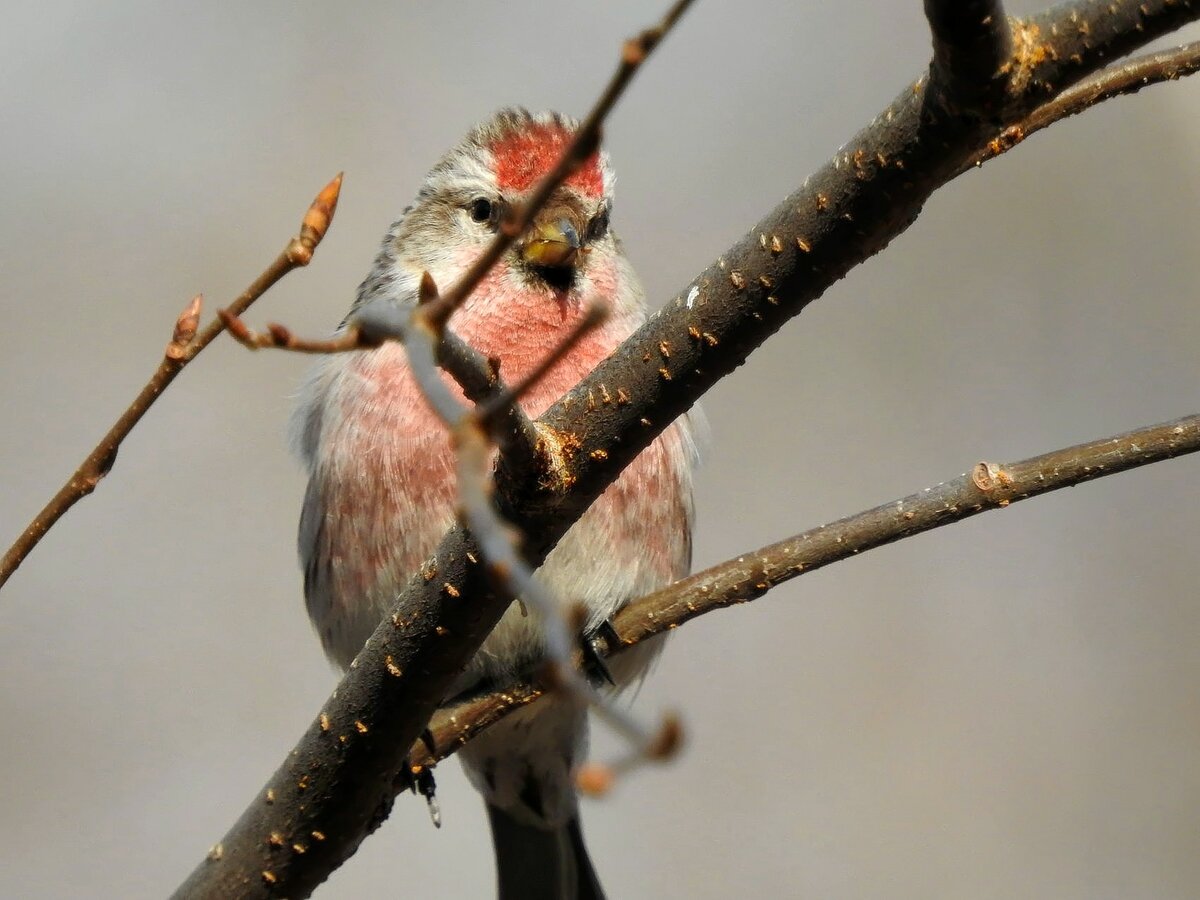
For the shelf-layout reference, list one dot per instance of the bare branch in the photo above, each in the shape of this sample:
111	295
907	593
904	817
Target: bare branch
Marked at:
382	320
281	337
987	486
513	577
184	346
972	43
750	575
1127	78
1058	48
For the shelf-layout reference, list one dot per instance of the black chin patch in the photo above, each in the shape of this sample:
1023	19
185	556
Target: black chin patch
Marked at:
560	278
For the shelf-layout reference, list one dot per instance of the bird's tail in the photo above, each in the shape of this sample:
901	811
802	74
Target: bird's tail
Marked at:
541	864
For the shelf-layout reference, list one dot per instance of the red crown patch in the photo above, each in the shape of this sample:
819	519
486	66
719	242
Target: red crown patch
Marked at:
524	157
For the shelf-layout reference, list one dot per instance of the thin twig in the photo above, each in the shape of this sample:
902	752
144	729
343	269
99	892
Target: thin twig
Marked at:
185	344
382	320
1127	78
280	337
750	575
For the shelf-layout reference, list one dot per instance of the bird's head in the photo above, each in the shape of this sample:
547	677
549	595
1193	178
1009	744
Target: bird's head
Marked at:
464	200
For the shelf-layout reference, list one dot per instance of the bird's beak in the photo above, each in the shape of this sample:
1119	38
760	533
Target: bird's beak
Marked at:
552	244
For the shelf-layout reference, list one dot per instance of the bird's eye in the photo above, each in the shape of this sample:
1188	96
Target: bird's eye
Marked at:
598	227
482	209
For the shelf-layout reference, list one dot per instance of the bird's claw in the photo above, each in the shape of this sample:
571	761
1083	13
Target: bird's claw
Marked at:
593	662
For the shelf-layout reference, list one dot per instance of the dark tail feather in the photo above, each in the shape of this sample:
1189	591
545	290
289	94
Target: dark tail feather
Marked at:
538	864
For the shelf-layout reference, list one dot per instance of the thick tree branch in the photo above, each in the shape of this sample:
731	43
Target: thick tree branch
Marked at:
972	42
184	346
338	781
846	212
1127	78
1058	48
750	575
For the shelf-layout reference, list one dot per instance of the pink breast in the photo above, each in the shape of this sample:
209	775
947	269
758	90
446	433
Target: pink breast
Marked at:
390	492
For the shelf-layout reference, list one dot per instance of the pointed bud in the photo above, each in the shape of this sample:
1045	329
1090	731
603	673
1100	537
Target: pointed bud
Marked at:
185	329
320	213
316	222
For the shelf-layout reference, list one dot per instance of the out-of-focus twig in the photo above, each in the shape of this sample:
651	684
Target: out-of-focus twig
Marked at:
750	575
186	342
514	577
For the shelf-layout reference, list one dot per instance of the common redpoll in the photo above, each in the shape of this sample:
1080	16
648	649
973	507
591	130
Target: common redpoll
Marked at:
381	491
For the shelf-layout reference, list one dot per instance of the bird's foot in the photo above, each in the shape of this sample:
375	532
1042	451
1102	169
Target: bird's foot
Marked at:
603	637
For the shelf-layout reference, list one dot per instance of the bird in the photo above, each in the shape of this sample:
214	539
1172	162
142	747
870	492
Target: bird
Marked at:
381	485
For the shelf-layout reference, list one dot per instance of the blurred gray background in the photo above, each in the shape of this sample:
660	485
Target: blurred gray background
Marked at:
1005	708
